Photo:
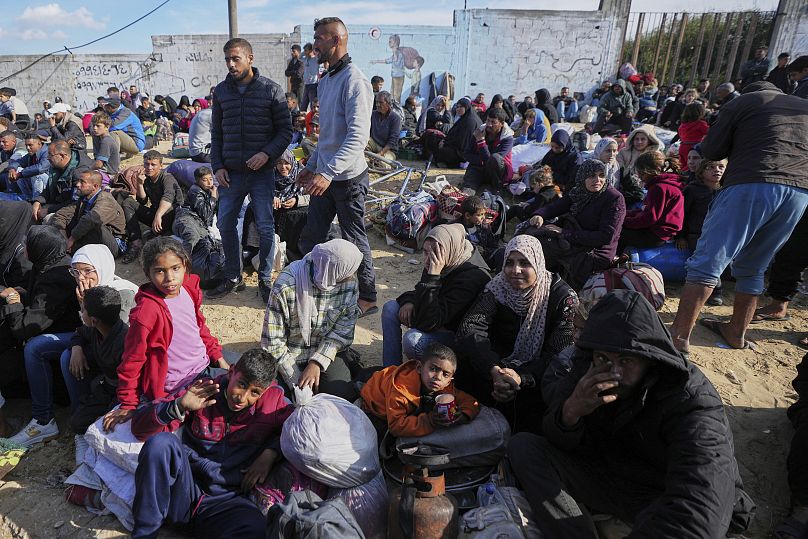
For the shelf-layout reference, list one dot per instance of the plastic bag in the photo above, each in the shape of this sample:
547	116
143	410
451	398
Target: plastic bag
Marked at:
369	504
330	440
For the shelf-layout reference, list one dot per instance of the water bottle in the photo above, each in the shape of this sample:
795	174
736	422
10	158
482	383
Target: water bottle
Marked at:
488	495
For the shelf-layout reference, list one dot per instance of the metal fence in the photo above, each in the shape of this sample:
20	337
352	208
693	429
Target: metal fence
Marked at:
687	47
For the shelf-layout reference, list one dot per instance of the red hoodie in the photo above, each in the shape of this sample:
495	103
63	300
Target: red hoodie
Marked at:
690	133
144	364
663	209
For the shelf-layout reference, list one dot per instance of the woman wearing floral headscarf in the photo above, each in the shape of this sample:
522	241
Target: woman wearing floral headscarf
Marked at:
311	316
510	334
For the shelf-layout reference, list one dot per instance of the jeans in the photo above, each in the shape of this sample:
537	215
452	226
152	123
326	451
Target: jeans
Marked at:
415	341
38	353
346	200
165	491
568	114
789	263
260	185
30	187
746	225
491	173
76	388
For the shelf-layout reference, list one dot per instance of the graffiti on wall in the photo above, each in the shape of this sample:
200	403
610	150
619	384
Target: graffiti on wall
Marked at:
405	62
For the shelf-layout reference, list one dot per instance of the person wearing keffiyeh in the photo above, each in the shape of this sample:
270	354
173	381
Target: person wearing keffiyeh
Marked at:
509	335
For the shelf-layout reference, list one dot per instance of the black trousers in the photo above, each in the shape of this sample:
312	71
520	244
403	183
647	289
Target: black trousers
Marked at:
136	213
789	263
797	463
490	174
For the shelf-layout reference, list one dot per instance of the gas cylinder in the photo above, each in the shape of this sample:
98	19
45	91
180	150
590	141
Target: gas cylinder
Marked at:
421	508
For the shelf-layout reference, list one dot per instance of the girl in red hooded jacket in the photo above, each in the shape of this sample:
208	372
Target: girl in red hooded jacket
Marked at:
692	130
168	344
663	210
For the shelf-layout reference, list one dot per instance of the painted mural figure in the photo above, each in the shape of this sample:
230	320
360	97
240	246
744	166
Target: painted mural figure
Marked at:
404	61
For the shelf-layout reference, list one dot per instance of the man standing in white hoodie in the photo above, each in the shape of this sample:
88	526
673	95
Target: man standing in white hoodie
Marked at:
336	175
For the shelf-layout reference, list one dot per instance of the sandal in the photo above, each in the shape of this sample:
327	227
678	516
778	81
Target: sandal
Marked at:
715	326
763	317
369	311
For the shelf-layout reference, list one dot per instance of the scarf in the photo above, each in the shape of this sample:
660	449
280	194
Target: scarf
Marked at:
544	102
432	106
46	247
99	257
612	168
461	134
15	218
324	267
285	186
339	65
579	194
529	304
456	248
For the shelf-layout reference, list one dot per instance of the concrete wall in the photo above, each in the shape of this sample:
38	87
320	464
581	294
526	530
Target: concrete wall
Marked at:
791	29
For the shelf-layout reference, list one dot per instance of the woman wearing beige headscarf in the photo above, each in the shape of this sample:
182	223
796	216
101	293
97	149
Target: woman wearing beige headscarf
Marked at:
508	337
454	274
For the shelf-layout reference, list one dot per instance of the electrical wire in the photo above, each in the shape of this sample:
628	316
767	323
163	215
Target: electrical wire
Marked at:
71	49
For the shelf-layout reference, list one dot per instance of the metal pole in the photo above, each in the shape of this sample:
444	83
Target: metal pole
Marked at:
232	14
708	56
660	31
736	41
635	53
697	52
668	53
719	59
678	52
747	48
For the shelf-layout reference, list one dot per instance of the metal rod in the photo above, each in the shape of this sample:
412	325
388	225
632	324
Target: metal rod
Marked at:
708	56
670	45
659	41
232	15
719	60
736	42
697	52
747	48
682	28
637	35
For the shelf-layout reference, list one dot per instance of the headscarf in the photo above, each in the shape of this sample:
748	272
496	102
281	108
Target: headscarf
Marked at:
432	106
46	247
580	195
99	257
461	134
531	303
564	163
285	186
613	168
506	106
456	248
203	103
15	218
544	101
325	266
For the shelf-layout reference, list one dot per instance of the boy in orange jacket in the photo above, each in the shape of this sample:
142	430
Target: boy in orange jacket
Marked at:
404	395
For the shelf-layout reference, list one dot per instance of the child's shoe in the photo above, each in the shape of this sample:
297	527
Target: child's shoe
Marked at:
34	432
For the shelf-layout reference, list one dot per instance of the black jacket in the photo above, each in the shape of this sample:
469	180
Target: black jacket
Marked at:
244	124
674	424
762	133
60	183
489	329
779	77
697	202
441	302
200	205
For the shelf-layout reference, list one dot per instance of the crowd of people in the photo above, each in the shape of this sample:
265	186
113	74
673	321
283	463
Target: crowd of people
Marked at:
608	413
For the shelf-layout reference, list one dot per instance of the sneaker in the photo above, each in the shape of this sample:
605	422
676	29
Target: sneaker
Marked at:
264	289
225	287
33	433
715	300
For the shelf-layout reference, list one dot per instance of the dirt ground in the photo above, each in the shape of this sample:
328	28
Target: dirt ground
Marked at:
755	387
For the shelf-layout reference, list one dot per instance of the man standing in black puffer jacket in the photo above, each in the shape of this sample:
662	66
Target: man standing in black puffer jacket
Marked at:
250	129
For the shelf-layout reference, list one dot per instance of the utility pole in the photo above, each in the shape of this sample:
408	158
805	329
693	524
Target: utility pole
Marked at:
232	12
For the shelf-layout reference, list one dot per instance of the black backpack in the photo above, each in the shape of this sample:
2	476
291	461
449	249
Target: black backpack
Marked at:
305	516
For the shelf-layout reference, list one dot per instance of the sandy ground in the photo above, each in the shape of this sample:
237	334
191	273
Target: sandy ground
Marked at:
755	387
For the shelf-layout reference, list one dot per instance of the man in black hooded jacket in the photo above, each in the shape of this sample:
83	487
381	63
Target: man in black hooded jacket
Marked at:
633	430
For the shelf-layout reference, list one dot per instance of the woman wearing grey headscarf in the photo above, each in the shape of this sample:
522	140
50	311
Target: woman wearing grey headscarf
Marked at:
311	316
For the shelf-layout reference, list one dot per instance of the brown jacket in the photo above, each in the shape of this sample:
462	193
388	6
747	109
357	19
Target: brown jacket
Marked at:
78	222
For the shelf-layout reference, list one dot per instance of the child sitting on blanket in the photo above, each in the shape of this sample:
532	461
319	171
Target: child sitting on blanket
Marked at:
230	442
168	344
404	395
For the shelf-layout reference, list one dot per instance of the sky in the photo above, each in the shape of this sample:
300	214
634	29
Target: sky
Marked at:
42	27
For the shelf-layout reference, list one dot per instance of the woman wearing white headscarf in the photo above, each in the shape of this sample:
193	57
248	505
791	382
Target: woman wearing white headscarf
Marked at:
94	265
454	274
311	316
508	337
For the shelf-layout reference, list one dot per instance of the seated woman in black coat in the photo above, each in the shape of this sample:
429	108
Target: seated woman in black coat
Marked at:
563	158
591	218
15	219
459	139
513	330
437	116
